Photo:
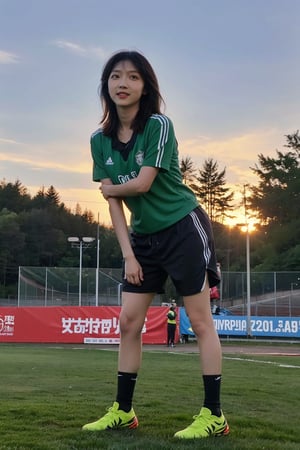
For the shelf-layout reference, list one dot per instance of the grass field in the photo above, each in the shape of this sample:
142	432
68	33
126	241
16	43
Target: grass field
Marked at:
47	393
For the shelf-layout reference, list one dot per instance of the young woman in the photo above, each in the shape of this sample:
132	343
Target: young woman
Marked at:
135	158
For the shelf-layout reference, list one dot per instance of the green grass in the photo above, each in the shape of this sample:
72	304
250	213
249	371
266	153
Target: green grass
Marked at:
48	393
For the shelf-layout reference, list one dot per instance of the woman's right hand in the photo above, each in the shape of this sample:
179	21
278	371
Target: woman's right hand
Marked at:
133	271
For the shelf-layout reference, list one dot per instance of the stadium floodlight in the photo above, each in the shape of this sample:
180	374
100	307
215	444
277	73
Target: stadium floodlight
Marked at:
88	240
73	239
80	242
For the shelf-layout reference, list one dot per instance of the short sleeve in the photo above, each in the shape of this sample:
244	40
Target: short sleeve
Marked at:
160	142
99	172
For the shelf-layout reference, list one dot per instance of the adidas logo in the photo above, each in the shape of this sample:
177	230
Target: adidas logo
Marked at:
109	162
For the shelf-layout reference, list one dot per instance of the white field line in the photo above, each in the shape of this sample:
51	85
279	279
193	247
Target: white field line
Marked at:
273	363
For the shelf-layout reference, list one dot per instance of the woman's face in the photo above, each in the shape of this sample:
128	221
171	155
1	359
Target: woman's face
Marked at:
125	85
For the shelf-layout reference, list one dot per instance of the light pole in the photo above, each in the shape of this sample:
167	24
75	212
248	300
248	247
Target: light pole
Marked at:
245	228
98	263
80	243
248	281
249	331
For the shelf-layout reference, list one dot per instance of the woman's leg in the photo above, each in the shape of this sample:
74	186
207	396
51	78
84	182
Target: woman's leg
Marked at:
198	310
210	421
132	318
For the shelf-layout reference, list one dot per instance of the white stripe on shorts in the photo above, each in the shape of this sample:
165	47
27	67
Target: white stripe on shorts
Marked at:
203	237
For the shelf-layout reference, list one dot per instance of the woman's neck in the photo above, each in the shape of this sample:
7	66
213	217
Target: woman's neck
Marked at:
126	117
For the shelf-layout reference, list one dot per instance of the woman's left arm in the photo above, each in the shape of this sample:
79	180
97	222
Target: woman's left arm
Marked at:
136	186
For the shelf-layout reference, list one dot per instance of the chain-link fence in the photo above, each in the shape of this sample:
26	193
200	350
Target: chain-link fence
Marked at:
271	293
58	286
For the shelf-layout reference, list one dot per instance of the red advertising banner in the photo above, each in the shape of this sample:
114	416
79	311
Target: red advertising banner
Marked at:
90	324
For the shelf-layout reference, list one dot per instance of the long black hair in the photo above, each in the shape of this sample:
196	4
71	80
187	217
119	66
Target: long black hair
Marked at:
150	102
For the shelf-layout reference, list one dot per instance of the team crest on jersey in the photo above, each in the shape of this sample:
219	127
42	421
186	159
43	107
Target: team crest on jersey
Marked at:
139	157
109	162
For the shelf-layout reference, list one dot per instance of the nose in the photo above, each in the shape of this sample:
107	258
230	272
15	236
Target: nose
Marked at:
122	82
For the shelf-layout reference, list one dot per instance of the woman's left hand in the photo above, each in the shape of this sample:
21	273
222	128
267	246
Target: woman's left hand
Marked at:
104	188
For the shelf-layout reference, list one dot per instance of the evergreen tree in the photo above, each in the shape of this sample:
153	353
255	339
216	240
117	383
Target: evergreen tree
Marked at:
277	196
88	216
78	210
39	201
211	191
52	196
187	170
11	247
14	196
276	200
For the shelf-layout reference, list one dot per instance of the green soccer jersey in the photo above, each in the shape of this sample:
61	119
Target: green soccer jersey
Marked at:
168	199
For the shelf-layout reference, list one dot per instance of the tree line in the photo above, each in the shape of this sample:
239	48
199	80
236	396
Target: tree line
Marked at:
34	230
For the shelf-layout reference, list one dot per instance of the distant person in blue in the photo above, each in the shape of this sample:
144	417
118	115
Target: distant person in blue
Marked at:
136	160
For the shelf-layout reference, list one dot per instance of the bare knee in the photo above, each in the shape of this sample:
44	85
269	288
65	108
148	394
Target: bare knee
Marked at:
202	328
130	325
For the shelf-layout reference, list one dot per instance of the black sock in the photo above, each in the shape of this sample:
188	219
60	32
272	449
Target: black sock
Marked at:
212	388
126	385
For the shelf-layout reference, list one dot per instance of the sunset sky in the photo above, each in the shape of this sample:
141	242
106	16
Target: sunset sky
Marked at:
229	72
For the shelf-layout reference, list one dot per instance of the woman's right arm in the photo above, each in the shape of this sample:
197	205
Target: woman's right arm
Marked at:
133	270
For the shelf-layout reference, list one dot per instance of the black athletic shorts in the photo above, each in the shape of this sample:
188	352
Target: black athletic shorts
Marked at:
184	251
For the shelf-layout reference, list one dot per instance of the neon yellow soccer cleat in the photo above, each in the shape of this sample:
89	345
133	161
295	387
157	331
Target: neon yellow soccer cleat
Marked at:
204	425
114	418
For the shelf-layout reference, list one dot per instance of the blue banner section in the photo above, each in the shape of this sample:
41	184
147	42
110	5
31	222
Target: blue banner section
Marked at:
184	323
237	325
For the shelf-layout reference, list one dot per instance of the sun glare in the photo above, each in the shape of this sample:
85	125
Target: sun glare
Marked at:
240	221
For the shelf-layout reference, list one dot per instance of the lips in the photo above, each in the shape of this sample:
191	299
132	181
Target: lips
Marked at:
122	95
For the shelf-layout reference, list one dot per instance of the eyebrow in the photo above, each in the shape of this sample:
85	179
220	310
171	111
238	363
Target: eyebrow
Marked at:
129	71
